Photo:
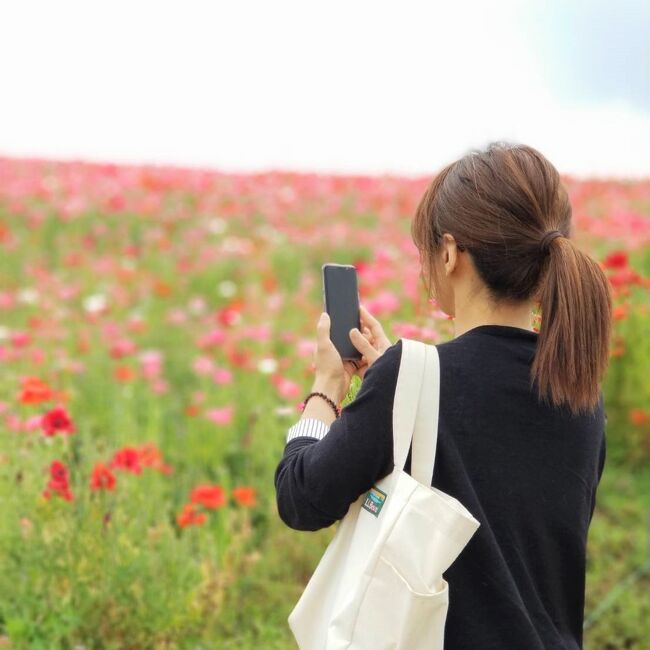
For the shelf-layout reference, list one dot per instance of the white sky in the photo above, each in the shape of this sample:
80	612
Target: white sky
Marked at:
356	86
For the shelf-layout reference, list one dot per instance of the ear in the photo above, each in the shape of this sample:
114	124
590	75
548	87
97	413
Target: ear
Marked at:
450	253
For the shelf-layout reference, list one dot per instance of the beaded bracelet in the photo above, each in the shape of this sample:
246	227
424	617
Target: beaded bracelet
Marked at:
326	398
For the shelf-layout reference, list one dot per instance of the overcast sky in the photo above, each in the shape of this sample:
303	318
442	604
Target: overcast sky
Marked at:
356	86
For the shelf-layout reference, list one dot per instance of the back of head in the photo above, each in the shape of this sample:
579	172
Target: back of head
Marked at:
502	205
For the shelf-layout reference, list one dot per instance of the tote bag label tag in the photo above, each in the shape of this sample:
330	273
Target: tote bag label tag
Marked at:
374	500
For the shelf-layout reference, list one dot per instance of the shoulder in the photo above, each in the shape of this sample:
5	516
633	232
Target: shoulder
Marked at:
386	367
392	356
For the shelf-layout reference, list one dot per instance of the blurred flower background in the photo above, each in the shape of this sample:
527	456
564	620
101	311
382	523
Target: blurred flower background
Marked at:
172	177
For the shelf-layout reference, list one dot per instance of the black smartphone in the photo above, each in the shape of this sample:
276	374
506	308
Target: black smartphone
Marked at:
341	302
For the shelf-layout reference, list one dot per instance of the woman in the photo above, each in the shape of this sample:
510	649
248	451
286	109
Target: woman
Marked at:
521	439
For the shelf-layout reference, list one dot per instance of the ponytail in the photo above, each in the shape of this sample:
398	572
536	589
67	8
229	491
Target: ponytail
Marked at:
574	338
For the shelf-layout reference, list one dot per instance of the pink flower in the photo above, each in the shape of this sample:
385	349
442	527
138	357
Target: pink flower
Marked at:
305	348
33	423
222	376
150	363
407	330
385	303
257	332
160	386
20	339
122	348
203	366
286	388
213	338
220	416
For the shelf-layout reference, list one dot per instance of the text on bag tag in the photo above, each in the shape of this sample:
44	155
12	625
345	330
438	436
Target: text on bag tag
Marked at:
374	500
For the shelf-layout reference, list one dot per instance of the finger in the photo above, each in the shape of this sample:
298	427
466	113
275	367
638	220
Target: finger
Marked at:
351	365
357	366
362	344
371	322
368	336
377	331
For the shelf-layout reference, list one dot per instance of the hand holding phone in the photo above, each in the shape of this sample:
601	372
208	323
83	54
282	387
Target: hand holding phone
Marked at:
341	302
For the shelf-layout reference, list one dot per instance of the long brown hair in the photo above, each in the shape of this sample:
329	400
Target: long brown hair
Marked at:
498	203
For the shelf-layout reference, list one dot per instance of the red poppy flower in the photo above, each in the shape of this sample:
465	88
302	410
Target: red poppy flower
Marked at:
624	277
127	459
190	517
620	312
59	472
244	495
615	260
102	478
35	391
639	416
59	482
209	496
57	421
150	456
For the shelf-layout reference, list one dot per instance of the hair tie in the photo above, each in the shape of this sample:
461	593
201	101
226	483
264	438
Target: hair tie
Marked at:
547	239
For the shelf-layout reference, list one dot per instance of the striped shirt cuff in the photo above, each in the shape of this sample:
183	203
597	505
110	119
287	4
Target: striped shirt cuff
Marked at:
311	427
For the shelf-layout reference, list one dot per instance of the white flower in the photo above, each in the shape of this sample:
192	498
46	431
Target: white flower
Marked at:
267	366
285	410
95	303
237	245
271	234
29	296
227	288
217	225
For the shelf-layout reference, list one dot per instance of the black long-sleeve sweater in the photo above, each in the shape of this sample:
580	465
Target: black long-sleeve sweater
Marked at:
528	472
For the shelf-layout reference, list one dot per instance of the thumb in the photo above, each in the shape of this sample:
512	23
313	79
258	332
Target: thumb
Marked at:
323	327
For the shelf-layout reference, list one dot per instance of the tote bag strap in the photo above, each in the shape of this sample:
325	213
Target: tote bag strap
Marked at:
416	408
407	398
425	434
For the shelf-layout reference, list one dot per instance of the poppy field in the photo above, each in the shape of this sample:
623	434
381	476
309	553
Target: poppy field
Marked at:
157	326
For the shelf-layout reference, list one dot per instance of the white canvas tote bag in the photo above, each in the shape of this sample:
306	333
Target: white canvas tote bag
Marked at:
379	584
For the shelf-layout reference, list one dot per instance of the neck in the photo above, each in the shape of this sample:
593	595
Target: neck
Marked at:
520	316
